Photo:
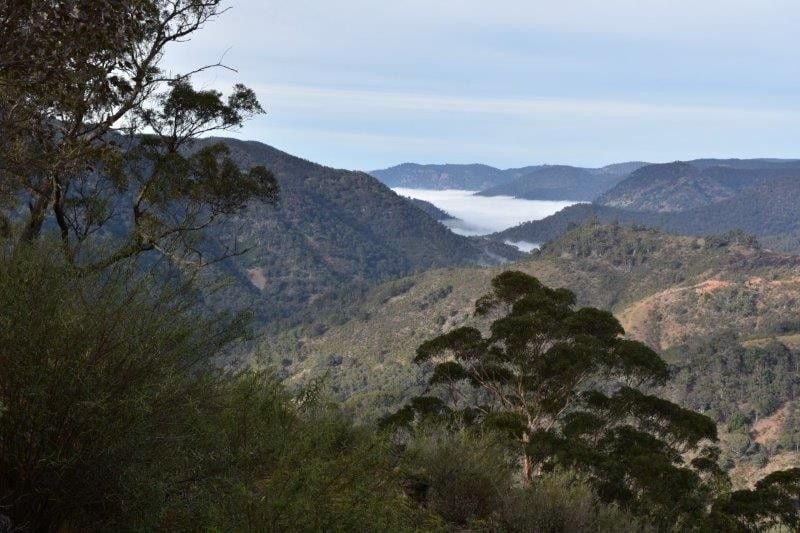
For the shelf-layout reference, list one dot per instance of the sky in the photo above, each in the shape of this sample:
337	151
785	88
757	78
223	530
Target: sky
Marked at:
363	85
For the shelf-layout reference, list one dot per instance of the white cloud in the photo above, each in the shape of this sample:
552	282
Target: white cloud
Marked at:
481	215
334	100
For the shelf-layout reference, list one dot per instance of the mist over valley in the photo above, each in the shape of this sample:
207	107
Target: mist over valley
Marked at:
481	215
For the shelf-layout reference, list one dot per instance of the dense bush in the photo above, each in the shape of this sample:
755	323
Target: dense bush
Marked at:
561	501
471	480
113	417
463	477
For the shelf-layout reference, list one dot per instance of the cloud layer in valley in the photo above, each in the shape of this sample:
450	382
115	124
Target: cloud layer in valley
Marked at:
481	215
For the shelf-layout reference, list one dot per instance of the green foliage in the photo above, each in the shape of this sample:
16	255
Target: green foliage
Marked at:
732	382
559	502
62	111
773	503
558	381
469	480
463	478
115	417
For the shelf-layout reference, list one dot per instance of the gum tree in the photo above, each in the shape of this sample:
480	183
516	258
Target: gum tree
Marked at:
97	138
569	389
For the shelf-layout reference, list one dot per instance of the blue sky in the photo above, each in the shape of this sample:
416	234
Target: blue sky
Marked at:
364	84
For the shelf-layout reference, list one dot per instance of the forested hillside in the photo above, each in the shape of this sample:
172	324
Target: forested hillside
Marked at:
769	210
675	293
432	210
331	234
561	182
682	186
466	177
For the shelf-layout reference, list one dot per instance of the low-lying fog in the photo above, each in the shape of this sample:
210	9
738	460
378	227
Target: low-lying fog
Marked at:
481	215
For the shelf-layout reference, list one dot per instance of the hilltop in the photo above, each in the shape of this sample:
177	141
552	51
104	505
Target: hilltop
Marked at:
769	210
680	186
562	182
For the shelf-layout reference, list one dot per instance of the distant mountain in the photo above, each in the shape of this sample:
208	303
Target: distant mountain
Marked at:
466	177
549	228
540	182
331	232
758	163
561	182
770	210
680	186
621	169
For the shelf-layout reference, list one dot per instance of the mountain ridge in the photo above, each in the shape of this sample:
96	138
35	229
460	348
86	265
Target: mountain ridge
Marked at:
562	182
332	231
767	210
680	185
475	176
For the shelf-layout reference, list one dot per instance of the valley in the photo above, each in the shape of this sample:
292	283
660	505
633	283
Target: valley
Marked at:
404	267
331	234
694	278
472	215
347	277
677	294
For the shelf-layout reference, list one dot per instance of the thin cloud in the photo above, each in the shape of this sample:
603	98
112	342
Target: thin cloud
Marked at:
333	100
363	84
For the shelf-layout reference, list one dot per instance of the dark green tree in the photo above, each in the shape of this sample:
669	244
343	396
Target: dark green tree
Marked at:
80	83
115	417
566	384
774	502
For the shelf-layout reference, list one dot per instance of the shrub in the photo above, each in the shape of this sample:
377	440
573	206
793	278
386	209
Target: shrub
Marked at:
114	417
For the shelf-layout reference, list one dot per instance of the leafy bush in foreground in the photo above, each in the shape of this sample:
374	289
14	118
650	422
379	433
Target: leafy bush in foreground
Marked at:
113	417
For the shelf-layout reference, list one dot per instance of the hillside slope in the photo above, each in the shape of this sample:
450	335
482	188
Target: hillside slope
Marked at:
430	209
610	266
770	210
561	182
701	301
332	230
680	186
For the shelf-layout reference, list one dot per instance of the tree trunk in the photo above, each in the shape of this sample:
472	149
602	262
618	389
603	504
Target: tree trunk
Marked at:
527	463
38	210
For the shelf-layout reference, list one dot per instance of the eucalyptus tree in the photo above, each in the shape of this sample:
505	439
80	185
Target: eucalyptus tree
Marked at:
565	384
97	136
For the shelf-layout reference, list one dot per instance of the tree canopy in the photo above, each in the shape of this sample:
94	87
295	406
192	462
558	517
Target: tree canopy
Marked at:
96	135
565	384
